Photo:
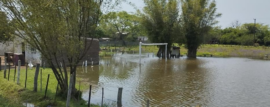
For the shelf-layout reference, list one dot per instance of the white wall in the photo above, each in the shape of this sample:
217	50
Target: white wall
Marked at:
6	47
33	56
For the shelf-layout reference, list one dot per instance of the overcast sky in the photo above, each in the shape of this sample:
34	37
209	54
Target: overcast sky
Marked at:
245	11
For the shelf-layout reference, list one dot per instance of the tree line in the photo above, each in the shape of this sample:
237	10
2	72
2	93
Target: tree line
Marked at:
245	34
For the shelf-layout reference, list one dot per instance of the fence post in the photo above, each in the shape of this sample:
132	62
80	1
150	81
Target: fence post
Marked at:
102	97
19	68
147	103
25	75
69	90
119	97
0	64
36	78
5	71
40	79
8	70
79	91
15	72
89	98
56	92
47	85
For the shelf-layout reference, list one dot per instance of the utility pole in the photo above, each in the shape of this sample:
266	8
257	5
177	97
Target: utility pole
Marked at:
254	30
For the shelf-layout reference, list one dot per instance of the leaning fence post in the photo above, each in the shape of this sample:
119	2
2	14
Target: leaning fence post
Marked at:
119	97
89	98
36	78
47	85
19	68
25	75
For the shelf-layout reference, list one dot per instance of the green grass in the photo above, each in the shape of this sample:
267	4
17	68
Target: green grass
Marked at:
13	95
206	49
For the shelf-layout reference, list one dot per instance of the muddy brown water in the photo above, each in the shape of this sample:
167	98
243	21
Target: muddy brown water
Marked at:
210	82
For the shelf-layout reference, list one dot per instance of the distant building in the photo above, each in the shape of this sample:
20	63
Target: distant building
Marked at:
142	38
17	46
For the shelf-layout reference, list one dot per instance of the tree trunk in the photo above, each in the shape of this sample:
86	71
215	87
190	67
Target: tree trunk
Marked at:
192	52
161	51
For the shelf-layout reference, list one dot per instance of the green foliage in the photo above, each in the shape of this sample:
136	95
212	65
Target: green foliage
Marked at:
120	25
160	19
246	34
5	30
197	18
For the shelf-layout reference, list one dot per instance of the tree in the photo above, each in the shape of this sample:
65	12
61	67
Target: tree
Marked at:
5	30
197	17
119	25
58	30
213	36
160	20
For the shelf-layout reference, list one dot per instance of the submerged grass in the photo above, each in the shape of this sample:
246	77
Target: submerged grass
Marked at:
13	95
205	49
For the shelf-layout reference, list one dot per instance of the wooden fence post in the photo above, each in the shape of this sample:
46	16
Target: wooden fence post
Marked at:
119	97
19	68
102	97
56	92
89	98
5	71
15	72
8	70
40	79
25	75
79	91
36	78
47	85
0	64
69	90
147	103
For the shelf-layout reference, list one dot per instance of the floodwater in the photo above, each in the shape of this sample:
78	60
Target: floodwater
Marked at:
206	82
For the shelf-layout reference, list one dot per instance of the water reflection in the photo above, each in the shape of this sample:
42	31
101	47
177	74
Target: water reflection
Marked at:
214	82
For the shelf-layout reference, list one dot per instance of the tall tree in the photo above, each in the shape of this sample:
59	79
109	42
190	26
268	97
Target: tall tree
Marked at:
5	30
58	29
198	16
119	25
160	18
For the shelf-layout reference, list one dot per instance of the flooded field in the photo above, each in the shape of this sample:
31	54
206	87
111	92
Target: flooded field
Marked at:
211	82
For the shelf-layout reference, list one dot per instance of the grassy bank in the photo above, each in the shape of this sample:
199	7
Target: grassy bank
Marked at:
206	49
14	95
